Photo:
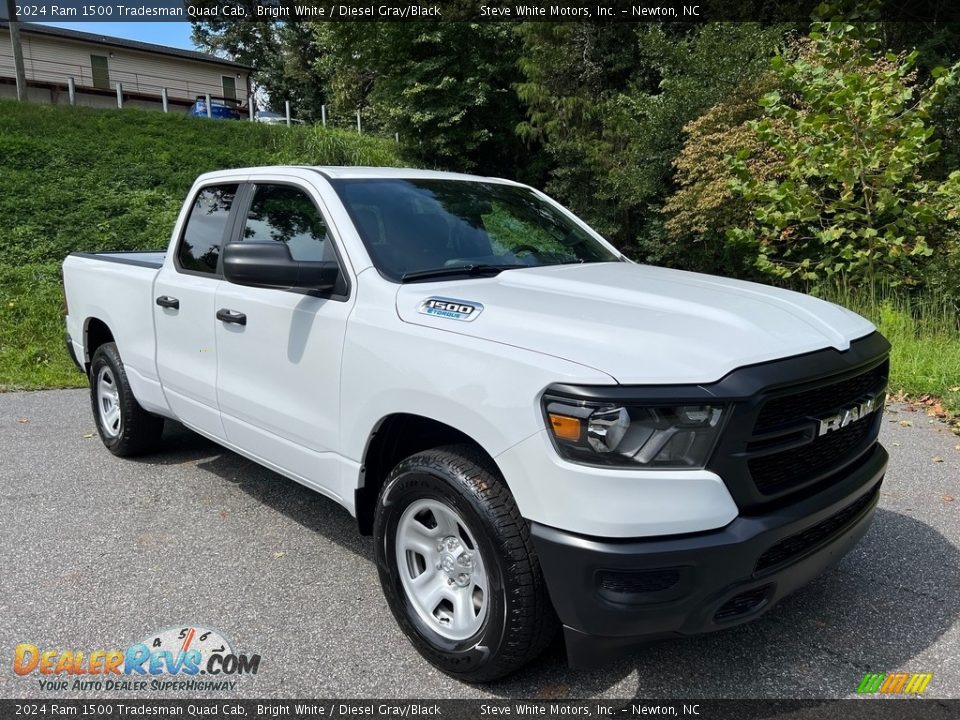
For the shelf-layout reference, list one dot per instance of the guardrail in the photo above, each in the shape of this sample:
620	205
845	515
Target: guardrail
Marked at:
148	84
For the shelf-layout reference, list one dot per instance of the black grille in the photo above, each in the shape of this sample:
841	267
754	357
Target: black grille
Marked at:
807	464
645	581
743	603
775	473
791	547
822	400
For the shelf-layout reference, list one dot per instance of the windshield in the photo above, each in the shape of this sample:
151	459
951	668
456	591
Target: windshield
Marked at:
411	227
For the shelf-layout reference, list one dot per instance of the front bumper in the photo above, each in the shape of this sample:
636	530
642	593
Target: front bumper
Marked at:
611	594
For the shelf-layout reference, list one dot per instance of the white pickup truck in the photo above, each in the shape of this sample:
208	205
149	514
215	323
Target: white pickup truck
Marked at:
538	432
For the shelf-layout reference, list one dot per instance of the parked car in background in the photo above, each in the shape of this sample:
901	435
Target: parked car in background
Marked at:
220	108
274	118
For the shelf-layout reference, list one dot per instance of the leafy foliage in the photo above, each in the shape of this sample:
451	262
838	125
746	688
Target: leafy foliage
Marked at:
609	104
609	114
284	56
704	204
444	87
854	134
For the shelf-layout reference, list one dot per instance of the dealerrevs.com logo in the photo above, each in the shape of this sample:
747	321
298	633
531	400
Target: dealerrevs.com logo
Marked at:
189	658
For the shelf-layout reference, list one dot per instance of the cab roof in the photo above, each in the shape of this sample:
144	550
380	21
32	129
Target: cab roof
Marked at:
335	172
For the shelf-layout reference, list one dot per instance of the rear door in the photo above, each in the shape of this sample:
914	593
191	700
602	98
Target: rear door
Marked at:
279	372
185	313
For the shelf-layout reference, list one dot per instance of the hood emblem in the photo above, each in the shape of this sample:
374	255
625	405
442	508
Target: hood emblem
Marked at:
850	414
450	308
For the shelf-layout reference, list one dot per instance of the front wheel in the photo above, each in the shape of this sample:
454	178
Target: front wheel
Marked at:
457	565
124	427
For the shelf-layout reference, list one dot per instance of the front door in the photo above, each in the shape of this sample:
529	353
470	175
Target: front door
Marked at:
278	380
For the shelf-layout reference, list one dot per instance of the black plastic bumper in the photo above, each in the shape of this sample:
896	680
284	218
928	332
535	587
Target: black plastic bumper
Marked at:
611	594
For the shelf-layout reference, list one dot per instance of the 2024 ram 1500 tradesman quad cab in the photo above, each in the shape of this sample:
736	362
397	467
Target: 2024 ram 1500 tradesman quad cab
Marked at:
537	431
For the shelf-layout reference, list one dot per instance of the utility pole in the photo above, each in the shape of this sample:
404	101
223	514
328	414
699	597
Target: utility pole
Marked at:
14	26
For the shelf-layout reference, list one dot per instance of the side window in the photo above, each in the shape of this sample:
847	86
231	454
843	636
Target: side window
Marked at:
200	244
282	213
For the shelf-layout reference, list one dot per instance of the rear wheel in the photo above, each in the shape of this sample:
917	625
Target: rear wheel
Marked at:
457	565
124	427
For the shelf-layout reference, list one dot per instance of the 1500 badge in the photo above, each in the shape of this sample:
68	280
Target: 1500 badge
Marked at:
450	308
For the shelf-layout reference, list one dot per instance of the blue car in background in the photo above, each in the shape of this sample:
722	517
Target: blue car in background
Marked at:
220	108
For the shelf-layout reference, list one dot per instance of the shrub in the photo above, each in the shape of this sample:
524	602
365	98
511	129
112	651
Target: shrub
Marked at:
853	131
705	204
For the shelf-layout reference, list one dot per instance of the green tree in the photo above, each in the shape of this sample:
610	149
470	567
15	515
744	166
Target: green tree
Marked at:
937	44
853	130
704	204
446	88
284	57
609	103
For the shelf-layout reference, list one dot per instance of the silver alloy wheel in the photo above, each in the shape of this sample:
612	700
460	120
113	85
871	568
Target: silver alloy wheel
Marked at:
108	402
441	569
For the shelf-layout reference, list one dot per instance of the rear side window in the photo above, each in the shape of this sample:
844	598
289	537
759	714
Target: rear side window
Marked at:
283	213
202	239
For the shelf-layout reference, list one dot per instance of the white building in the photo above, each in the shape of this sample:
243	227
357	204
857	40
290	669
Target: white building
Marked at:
52	55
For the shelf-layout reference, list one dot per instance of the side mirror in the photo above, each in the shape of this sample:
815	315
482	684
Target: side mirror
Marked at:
268	264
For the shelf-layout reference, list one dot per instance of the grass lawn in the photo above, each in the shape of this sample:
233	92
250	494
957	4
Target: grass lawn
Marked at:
925	335
74	178
33	355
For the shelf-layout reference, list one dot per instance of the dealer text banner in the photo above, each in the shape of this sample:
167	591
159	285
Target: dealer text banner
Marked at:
548	710
690	11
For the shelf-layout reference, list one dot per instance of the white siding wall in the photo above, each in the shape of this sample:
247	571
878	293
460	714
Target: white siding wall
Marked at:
50	59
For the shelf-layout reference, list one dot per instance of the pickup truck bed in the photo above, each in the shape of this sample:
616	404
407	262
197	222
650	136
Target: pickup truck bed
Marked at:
111	290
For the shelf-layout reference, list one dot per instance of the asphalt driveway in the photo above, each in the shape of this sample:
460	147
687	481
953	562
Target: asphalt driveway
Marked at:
98	552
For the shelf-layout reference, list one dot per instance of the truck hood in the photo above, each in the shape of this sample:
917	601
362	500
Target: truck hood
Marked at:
637	323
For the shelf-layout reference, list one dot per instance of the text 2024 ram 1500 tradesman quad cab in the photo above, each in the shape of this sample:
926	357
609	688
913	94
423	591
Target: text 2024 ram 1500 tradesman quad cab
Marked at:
537	431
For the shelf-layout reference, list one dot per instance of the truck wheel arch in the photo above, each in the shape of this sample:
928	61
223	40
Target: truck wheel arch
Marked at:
95	333
395	437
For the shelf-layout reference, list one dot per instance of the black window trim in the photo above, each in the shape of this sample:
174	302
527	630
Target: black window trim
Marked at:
228	230
242	205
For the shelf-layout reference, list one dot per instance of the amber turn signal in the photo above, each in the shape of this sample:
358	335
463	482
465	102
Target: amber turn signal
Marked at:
565	427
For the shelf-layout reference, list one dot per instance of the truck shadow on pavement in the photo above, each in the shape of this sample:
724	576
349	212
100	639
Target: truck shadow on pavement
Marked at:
889	600
310	509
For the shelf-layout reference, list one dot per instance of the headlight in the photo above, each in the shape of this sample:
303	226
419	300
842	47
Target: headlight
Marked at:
634	436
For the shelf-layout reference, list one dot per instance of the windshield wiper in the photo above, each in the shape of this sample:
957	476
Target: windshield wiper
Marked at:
468	270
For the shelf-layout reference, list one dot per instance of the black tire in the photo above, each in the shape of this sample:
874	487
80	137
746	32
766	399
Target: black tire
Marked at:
137	431
519	620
